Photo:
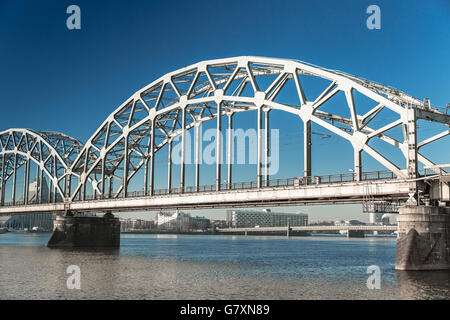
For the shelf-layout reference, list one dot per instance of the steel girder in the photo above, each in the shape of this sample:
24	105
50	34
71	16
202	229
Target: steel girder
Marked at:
128	140
178	101
52	152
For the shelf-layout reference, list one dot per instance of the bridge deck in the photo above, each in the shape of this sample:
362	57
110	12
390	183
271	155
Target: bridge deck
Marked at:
311	228
332	193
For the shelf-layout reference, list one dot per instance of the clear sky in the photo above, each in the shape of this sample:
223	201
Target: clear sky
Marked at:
56	79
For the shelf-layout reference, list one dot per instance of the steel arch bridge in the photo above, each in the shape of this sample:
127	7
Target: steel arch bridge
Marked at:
131	136
52	152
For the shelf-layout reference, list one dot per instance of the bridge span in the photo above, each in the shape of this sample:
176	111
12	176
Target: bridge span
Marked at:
311	228
284	192
115	170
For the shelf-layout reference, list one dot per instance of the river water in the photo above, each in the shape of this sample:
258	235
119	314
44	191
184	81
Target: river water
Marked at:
213	267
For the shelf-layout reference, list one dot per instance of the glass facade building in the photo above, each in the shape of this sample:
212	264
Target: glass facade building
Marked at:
264	218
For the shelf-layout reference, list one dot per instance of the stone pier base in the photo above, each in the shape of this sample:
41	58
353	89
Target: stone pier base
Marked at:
85	232
355	234
423	238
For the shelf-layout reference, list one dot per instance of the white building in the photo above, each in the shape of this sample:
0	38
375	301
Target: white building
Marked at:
176	221
264	218
136	224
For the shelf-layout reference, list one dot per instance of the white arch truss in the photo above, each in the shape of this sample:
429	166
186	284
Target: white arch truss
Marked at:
52	152
152	117
128	140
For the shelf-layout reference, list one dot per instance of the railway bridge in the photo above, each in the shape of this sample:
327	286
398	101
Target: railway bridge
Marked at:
115	170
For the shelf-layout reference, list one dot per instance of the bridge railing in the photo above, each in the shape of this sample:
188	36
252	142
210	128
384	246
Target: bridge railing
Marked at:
377	175
286	182
441	170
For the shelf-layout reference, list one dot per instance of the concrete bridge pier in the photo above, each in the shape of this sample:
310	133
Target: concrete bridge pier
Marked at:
423	238
85	232
355	233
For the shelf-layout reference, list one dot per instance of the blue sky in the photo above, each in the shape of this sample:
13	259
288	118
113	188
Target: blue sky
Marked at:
52	78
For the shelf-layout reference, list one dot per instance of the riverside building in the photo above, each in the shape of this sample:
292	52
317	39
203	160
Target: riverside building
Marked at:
264	218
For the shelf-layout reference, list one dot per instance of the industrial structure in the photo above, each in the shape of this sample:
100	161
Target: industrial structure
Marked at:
115	169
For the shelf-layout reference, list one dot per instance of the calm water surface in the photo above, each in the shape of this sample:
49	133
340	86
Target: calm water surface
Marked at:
213	267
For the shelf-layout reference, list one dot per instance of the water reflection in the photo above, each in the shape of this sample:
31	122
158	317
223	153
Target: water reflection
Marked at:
212	267
166	236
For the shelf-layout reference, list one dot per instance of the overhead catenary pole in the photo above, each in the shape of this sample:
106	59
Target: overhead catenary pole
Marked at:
41	184
146	161
65	191
169	166
358	166
183	148
218	145
69	185
2	184
49	200
266	146
259	149
230	150
110	186
412	150
197	154
125	167
307	150
14	180
37	185
26	181
55	174
152	159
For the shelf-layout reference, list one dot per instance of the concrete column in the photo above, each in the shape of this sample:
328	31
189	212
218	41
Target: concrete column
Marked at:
423	238
85	232
307	150
355	233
